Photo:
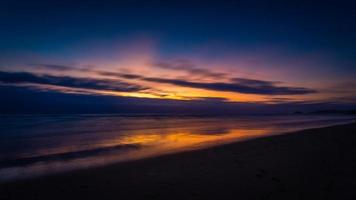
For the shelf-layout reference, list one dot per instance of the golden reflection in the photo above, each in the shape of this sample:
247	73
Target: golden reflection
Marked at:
158	144
150	142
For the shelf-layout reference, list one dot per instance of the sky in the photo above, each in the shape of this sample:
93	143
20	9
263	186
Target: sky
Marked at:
196	52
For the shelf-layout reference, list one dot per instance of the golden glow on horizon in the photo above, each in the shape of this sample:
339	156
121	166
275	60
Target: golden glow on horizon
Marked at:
140	58
165	91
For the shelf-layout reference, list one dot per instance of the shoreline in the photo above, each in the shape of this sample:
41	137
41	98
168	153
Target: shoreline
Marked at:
296	165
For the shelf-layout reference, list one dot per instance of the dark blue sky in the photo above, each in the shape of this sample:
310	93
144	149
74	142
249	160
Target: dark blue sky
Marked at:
301	26
263	47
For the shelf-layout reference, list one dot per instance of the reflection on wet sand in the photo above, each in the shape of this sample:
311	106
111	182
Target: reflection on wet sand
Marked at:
39	146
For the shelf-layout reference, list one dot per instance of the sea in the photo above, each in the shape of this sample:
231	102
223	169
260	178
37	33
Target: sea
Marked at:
39	145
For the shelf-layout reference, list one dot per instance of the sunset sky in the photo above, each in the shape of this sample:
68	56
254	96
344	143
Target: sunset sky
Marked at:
229	51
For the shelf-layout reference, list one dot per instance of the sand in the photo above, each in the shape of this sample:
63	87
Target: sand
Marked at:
310	164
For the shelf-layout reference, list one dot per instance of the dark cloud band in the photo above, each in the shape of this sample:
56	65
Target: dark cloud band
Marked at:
66	81
239	85
265	89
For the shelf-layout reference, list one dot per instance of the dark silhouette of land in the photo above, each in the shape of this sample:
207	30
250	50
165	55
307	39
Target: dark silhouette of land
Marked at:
334	112
310	164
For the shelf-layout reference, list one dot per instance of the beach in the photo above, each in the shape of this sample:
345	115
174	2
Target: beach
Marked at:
311	164
177	100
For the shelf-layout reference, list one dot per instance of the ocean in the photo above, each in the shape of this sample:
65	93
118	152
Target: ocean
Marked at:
36	145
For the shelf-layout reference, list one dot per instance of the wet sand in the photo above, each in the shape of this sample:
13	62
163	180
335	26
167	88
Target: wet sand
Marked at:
310	164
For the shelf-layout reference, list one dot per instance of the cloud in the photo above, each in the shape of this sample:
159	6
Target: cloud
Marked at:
254	82
239	85
120	75
66	81
182	65
64	68
211	99
265	89
54	67
24	100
